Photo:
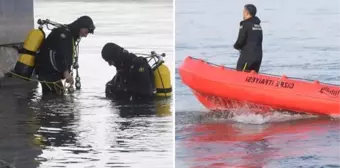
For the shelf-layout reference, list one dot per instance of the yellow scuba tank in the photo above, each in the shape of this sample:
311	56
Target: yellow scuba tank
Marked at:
163	81
25	64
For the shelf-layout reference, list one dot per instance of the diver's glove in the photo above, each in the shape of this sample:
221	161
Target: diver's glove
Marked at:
108	89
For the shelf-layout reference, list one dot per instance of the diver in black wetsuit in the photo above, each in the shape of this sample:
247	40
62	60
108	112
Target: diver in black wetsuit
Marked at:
134	79
55	57
249	41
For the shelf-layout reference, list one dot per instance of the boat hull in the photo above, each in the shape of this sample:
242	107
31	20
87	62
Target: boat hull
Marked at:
222	88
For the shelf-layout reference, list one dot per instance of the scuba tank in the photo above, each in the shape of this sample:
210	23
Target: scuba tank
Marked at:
25	64
162	76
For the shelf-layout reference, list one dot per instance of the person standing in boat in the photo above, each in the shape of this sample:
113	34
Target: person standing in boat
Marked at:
249	41
134	79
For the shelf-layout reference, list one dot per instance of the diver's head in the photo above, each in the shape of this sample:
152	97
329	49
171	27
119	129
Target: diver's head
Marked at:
249	11
86	26
82	26
114	54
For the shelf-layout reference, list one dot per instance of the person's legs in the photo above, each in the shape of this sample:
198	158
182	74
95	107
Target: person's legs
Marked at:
46	89
254	66
52	88
240	64
247	66
142	98
51	84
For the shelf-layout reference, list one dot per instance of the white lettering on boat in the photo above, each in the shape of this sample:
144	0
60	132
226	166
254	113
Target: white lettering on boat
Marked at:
269	82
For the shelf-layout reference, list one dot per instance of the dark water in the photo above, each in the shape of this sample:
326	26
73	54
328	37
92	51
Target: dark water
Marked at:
85	129
301	39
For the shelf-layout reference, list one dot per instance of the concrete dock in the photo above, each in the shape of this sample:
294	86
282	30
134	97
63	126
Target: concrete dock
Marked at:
17	19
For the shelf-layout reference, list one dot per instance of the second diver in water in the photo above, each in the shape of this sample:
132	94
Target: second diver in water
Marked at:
134	79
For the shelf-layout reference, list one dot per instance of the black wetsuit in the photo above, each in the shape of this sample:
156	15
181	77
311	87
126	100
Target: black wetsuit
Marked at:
54	58
249	43
133	81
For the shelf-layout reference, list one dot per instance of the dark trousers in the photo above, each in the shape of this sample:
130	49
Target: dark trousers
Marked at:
123	95
126	96
55	89
247	66
50	85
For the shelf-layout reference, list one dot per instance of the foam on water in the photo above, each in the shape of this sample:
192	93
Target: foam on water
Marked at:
252	118
248	117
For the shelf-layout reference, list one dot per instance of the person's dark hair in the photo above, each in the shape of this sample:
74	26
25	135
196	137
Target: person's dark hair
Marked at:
251	9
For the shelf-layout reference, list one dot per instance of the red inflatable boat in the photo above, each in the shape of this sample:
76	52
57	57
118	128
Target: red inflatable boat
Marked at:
222	88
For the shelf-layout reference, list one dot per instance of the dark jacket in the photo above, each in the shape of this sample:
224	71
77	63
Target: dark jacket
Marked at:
56	53
133	79
249	40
